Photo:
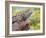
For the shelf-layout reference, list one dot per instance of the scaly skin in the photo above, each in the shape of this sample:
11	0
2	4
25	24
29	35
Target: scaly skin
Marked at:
19	22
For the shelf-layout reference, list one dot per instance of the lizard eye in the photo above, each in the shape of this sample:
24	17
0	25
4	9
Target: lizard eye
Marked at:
27	24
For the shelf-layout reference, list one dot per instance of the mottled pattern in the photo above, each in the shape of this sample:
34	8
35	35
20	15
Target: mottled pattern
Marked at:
20	21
